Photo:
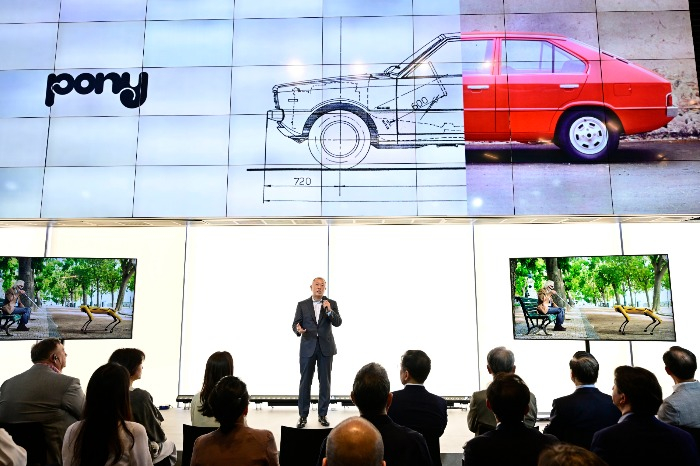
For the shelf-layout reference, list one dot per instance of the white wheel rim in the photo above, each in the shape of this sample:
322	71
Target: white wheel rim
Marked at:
339	140
588	135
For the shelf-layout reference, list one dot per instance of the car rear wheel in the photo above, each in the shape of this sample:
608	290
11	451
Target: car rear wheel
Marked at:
339	139
588	135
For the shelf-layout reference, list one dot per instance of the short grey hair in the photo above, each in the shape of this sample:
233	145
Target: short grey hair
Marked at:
501	359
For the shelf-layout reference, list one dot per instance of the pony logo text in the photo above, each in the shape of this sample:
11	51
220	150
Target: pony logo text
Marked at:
85	83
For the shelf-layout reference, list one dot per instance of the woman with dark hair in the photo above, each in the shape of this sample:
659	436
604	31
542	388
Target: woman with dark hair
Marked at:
233	442
106	435
638	437
219	364
144	412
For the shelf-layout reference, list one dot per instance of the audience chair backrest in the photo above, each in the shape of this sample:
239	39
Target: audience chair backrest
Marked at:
189	435
30	436
695	432
301	446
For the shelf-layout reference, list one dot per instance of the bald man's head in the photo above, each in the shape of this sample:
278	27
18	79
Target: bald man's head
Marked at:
354	442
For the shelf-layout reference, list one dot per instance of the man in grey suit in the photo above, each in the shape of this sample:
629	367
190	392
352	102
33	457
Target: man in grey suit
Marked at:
43	394
480	418
682	407
314	320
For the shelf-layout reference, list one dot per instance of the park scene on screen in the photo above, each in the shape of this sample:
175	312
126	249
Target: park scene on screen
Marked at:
621	297
67	297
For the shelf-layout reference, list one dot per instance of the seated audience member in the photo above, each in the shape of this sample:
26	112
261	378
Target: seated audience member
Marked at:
106	435
682	407
479	418
233	443
11	454
417	408
43	394
372	395
512	443
576	417
640	438
564	454
354	442
219	364
142	408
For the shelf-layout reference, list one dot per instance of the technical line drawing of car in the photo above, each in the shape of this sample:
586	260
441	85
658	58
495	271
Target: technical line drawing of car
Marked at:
478	86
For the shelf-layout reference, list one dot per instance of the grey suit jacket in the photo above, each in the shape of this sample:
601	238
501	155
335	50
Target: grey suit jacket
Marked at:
682	407
321	330
480	415
41	395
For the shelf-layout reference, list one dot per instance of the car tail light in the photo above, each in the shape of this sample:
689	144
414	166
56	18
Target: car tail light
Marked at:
669	100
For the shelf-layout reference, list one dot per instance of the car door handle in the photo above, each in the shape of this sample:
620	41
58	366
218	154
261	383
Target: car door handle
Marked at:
478	87
568	86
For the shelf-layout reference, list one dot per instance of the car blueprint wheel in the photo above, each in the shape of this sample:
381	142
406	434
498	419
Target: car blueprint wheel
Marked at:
339	139
588	134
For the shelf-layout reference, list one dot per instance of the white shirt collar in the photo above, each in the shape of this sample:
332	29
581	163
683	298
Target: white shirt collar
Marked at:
684	383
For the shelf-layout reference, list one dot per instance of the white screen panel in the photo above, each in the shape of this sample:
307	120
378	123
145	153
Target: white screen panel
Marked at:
23	142
20	192
29	11
27	46
188	43
92	141
400	288
242	285
180	191
183	140
102	10
190	9
88	192
100	45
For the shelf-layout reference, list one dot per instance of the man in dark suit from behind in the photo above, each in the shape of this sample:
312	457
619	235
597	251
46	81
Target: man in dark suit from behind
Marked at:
417	408
372	395
512	443
43	394
576	417
639	438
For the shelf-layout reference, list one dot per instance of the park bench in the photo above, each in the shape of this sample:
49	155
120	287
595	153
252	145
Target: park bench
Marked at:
533	319
8	320
91	310
627	310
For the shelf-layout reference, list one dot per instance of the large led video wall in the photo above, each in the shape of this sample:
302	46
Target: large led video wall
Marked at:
217	108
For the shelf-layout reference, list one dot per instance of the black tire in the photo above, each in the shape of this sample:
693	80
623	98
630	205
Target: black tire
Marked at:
339	139
588	134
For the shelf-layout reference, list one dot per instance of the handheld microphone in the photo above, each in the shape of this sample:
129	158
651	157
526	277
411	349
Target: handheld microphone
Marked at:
325	298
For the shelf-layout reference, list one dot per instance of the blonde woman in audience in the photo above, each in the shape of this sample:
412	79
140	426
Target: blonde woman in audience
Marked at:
219	364
233	442
106	435
564	454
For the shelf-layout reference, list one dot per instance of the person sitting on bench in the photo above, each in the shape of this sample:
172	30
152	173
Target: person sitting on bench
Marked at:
12	298
545	305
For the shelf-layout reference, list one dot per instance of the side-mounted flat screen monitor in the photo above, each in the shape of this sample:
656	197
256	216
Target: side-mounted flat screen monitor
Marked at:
592	298
66	297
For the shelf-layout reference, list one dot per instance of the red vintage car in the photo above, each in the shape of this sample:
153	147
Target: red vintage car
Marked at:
480	86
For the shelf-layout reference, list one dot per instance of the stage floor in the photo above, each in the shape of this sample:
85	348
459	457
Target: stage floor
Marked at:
272	419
